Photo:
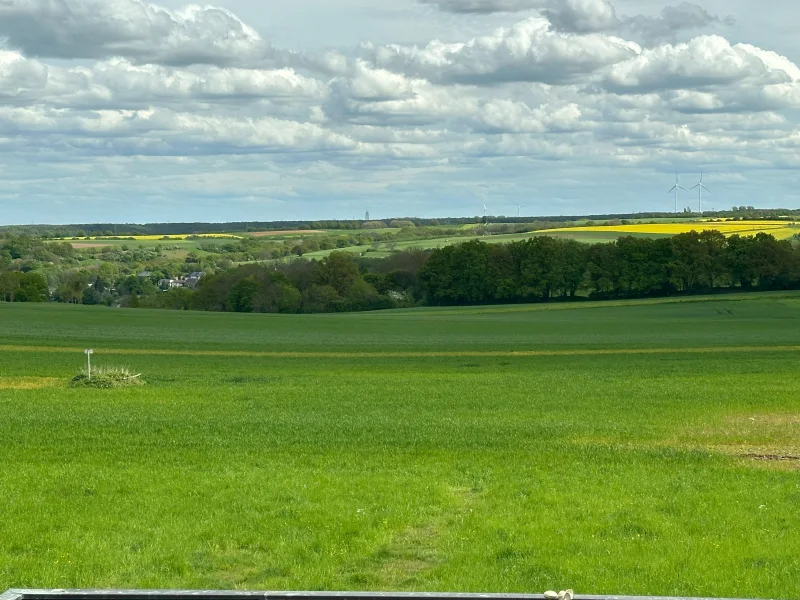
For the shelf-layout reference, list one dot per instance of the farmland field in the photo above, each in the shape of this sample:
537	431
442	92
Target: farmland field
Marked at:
382	249
621	448
778	229
156	238
187	245
586	234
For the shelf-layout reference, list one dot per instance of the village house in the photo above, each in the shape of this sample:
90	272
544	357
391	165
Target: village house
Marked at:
190	281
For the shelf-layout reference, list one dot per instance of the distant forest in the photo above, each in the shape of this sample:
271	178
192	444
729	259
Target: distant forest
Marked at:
166	229
539	269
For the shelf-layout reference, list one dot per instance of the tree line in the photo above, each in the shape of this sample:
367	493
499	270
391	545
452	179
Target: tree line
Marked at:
543	268
166	229
540	269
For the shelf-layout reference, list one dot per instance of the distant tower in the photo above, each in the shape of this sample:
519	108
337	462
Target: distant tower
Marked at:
675	189
366	216
700	187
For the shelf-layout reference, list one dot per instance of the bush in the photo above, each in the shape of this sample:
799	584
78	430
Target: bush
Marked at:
401	224
373	225
106	378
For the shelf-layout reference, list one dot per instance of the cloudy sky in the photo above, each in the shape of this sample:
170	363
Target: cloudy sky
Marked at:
131	111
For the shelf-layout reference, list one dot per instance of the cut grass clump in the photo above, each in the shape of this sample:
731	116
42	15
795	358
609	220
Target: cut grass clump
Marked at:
107	377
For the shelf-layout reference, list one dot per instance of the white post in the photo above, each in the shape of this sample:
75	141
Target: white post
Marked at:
89	362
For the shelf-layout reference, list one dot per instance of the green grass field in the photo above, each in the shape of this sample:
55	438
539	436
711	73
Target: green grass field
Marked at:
383	250
597	237
185	244
618	448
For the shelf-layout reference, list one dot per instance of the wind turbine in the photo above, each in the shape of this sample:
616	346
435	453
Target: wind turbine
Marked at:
700	187
484	211
518	208
675	189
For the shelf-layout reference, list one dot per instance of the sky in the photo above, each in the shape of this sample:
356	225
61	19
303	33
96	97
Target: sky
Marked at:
264	110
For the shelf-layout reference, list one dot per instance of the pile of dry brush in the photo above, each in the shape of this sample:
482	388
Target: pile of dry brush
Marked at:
107	377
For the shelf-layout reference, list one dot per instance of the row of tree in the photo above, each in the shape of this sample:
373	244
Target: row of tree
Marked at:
539	269
542	268
334	284
167	229
16	286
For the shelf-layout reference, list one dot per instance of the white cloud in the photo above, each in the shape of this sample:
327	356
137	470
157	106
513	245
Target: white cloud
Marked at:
673	19
527	51
143	82
693	101
119	83
137	30
592	16
101	95
371	84
162	131
486	6
704	61
773	60
19	76
505	116
583	15
414	102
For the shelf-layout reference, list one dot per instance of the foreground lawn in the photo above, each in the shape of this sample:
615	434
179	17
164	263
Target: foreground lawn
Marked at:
640	448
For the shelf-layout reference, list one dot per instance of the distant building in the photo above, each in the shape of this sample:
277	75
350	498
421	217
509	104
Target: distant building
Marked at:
189	281
193	279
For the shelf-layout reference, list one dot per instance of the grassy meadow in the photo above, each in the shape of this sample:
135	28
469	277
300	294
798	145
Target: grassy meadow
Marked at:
181	242
384	249
617	448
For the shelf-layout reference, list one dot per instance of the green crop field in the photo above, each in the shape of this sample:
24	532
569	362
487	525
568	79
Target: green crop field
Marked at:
620	448
189	244
597	237
382	250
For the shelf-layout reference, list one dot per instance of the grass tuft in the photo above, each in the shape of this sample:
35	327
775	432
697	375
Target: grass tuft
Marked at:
106	378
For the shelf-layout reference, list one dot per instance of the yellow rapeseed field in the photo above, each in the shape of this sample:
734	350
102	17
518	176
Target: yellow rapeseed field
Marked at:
181	236
779	229
152	238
